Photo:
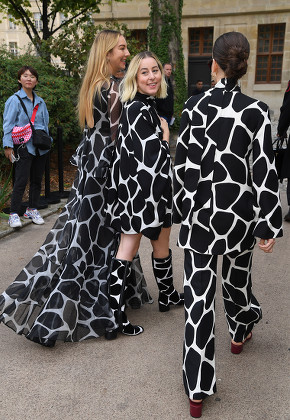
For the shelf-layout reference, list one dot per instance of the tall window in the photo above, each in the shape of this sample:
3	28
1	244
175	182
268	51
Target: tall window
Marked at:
200	41
37	21
13	48
12	25
270	53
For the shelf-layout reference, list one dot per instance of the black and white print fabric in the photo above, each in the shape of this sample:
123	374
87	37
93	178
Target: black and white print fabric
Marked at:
62	293
140	188
225	195
221	203
242	312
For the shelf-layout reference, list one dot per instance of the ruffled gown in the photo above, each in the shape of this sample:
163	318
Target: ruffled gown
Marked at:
61	294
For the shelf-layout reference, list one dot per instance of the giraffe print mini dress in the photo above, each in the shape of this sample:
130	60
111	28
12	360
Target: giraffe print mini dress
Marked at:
140	187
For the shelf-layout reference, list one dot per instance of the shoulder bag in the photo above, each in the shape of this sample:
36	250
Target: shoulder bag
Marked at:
40	139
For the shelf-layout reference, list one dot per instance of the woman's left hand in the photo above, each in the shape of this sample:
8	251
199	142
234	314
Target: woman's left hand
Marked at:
267	245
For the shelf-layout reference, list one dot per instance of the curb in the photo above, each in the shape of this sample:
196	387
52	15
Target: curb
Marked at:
51	209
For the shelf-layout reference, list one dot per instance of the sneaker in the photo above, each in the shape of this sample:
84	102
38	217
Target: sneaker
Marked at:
34	215
14	221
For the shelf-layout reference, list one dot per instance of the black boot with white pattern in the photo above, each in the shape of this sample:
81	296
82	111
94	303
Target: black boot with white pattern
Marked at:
119	274
162	269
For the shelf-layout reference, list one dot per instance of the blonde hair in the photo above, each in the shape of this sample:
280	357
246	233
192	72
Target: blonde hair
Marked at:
129	83
97	74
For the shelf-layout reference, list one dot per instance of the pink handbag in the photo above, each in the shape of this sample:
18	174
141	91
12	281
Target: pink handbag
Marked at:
21	135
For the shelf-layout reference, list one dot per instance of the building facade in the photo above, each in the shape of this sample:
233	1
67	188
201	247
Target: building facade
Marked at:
266	24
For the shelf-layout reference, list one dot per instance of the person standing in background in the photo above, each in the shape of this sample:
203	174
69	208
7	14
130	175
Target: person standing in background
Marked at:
198	88
29	163
165	106
283	125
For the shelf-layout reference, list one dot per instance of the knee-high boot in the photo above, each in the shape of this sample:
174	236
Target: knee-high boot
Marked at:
162	269
117	285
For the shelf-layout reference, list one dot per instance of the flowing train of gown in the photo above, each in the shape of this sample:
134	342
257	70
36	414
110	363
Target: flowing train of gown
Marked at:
61	294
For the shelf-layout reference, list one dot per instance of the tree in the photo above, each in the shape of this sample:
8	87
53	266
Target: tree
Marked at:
165	40
75	41
74	12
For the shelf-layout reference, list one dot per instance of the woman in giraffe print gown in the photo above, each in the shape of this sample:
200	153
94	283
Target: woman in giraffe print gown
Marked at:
223	205
61	294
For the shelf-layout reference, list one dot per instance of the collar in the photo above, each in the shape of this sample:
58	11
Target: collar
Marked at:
229	85
144	98
23	95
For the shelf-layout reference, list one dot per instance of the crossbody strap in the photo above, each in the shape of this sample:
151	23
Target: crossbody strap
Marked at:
25	110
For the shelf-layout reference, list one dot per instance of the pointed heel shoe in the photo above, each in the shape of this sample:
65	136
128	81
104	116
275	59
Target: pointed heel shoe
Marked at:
195	409
238	348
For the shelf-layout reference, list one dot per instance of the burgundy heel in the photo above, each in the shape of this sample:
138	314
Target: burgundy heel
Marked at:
237	348
195	408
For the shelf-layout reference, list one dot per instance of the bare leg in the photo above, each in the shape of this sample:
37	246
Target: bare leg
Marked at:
129	245
161	245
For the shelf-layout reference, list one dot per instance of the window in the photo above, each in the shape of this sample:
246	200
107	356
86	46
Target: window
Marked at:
12	25
140	35
13	48
270	53
38	22
200	41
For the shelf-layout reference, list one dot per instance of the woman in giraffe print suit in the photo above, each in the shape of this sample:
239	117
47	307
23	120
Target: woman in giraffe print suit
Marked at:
222	206
62	293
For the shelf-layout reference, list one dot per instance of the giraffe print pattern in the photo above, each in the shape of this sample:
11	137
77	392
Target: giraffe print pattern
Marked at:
221	202
242	311
120	274
163	273
62	293
140	186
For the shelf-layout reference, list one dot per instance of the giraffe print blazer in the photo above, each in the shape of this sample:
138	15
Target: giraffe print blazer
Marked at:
225	183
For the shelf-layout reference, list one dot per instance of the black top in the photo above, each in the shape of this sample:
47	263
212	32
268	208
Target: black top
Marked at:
165	106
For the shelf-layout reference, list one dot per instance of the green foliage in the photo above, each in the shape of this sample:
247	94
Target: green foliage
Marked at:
5	189
57	89
160	38
74	11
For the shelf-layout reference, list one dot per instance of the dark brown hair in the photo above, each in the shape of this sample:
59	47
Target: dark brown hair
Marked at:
23	70
231	51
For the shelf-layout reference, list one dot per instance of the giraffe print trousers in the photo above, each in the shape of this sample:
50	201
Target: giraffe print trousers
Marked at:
242	311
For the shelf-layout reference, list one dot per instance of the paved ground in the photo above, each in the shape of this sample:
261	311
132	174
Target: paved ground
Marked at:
141	377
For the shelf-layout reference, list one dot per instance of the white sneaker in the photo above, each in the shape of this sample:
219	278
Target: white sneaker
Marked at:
14	221
34	215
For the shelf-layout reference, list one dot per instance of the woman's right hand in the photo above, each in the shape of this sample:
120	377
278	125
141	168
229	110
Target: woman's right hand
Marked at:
267	245
165	129
8	151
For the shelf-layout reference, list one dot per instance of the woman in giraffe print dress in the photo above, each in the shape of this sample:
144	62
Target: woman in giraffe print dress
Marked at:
61	294
140	188
223	205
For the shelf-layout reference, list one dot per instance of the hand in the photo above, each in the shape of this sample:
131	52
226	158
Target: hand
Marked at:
267	245
165	129
8	151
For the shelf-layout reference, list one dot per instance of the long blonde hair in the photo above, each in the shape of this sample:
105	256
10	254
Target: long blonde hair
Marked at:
129	83
97	74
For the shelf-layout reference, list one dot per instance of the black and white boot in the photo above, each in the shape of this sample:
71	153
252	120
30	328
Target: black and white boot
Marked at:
162	269
117	285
